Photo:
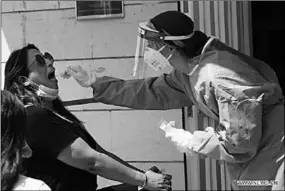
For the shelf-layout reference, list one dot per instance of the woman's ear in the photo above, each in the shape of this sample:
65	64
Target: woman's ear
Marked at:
24	80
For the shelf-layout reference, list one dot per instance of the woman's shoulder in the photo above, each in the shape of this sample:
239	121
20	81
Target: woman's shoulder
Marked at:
38	113
35	110
28	183
39	116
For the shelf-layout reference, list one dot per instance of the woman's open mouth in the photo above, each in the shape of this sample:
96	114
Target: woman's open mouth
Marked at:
51	76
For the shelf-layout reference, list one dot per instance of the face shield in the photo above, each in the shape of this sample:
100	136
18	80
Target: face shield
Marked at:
152	52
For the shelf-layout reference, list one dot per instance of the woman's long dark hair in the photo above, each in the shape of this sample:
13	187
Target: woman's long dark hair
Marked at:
13	126
17	66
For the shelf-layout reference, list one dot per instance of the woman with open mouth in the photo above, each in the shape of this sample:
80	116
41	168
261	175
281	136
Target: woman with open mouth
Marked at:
65	156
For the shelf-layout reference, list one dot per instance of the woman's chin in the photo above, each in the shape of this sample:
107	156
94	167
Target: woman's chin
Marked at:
53	83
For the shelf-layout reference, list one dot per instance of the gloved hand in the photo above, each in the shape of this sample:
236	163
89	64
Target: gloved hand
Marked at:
83	77
181	138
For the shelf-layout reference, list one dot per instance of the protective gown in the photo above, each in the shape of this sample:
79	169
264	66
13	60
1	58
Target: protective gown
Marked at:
242	93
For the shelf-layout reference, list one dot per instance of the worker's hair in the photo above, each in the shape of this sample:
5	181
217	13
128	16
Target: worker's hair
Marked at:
178	24
13	126
16	66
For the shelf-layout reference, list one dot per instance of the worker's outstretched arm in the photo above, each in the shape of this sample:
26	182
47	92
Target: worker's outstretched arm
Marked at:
156	93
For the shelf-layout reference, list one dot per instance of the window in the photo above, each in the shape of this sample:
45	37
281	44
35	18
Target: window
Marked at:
99	9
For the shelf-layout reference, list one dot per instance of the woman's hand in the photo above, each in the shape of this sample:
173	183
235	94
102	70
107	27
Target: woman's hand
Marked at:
158	181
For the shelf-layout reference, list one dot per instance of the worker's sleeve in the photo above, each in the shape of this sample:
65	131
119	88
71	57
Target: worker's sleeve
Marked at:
156	93
239	132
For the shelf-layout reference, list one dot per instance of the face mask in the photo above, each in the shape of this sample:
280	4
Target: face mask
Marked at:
47	93
155	59
41	90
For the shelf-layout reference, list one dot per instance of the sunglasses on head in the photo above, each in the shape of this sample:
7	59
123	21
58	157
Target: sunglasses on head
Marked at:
41	59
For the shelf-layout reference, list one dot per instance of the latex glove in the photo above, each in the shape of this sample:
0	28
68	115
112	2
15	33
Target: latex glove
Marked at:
83	77
181	138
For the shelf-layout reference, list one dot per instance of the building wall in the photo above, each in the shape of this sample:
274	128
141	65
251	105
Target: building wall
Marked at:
109	43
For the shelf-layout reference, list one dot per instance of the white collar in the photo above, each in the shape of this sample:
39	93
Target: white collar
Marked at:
203	50
207	43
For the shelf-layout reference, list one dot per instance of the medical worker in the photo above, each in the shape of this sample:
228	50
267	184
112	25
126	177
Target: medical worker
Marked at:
240	92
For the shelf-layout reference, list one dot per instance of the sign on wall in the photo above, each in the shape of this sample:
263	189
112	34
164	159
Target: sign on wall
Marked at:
99	9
